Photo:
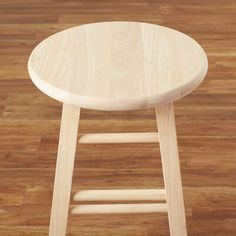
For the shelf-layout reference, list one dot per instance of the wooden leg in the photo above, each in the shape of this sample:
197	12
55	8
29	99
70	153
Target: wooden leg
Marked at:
64	170
171	169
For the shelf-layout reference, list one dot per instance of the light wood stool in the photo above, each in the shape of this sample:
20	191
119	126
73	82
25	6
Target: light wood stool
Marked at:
116	66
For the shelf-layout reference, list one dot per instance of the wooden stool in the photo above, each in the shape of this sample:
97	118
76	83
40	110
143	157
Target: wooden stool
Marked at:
116	66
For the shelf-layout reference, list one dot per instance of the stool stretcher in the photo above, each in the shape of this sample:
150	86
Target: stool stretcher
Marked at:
120	208
145	137
121	195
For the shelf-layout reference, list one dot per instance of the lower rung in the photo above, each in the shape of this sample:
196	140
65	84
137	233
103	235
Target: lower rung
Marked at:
120	208
121	195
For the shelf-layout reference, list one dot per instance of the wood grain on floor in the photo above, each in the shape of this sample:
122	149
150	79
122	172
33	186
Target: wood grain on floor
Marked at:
29	123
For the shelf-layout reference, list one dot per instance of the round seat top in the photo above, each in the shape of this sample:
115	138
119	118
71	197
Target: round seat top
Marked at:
117	65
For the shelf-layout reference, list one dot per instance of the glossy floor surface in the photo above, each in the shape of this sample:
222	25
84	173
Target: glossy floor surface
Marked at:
29	124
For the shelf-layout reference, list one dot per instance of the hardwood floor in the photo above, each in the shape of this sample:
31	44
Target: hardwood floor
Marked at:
29	123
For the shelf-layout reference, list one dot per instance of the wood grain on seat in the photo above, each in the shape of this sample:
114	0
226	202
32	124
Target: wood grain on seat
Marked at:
117	65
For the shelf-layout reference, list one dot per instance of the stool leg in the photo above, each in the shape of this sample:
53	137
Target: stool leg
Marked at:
171	169
64	170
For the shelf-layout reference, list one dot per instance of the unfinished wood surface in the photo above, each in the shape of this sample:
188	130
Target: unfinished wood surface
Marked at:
171	169
151	137
30	122
121	195
117	65
64	170
120	208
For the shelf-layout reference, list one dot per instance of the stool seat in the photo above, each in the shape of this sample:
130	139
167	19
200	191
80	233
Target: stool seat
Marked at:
117	65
